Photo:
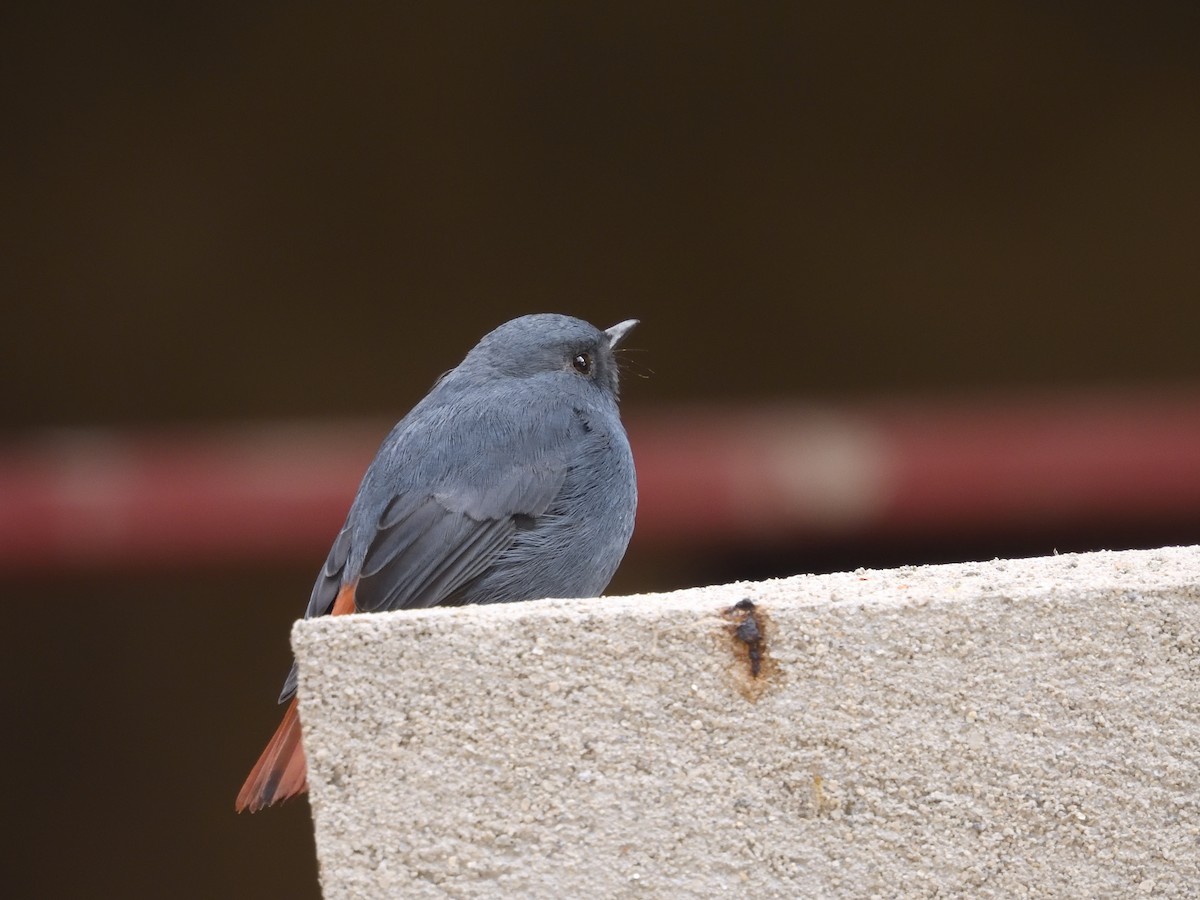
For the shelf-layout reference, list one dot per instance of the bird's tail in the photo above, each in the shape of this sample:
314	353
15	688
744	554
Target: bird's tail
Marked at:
280	772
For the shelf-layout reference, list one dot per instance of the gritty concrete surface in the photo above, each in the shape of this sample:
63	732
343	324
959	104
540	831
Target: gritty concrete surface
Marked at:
1001	729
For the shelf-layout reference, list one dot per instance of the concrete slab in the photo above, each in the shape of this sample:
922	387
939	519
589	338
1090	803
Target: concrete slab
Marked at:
1008	728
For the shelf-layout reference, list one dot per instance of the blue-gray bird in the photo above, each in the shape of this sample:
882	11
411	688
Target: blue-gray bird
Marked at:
511	480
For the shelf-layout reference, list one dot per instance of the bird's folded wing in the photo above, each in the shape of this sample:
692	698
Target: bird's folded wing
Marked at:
420	558
424	549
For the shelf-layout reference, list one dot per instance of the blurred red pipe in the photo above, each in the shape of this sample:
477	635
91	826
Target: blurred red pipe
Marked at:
186	497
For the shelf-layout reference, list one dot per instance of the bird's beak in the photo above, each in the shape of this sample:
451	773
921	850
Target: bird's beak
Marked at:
618	332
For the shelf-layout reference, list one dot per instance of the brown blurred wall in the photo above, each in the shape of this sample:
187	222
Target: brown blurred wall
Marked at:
253	211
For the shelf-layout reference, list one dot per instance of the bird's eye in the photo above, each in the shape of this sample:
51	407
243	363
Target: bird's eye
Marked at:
583	363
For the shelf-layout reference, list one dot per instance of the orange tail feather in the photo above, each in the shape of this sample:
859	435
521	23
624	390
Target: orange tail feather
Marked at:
280	771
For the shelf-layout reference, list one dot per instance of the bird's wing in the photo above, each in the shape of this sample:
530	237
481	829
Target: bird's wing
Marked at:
425	548
427	544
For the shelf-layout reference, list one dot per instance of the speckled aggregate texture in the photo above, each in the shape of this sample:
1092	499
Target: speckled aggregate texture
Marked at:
1001	729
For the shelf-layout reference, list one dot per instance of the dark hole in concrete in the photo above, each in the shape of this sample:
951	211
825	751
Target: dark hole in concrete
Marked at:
749	633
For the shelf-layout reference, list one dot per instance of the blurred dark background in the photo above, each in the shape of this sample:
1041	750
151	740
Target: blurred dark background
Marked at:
226	214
